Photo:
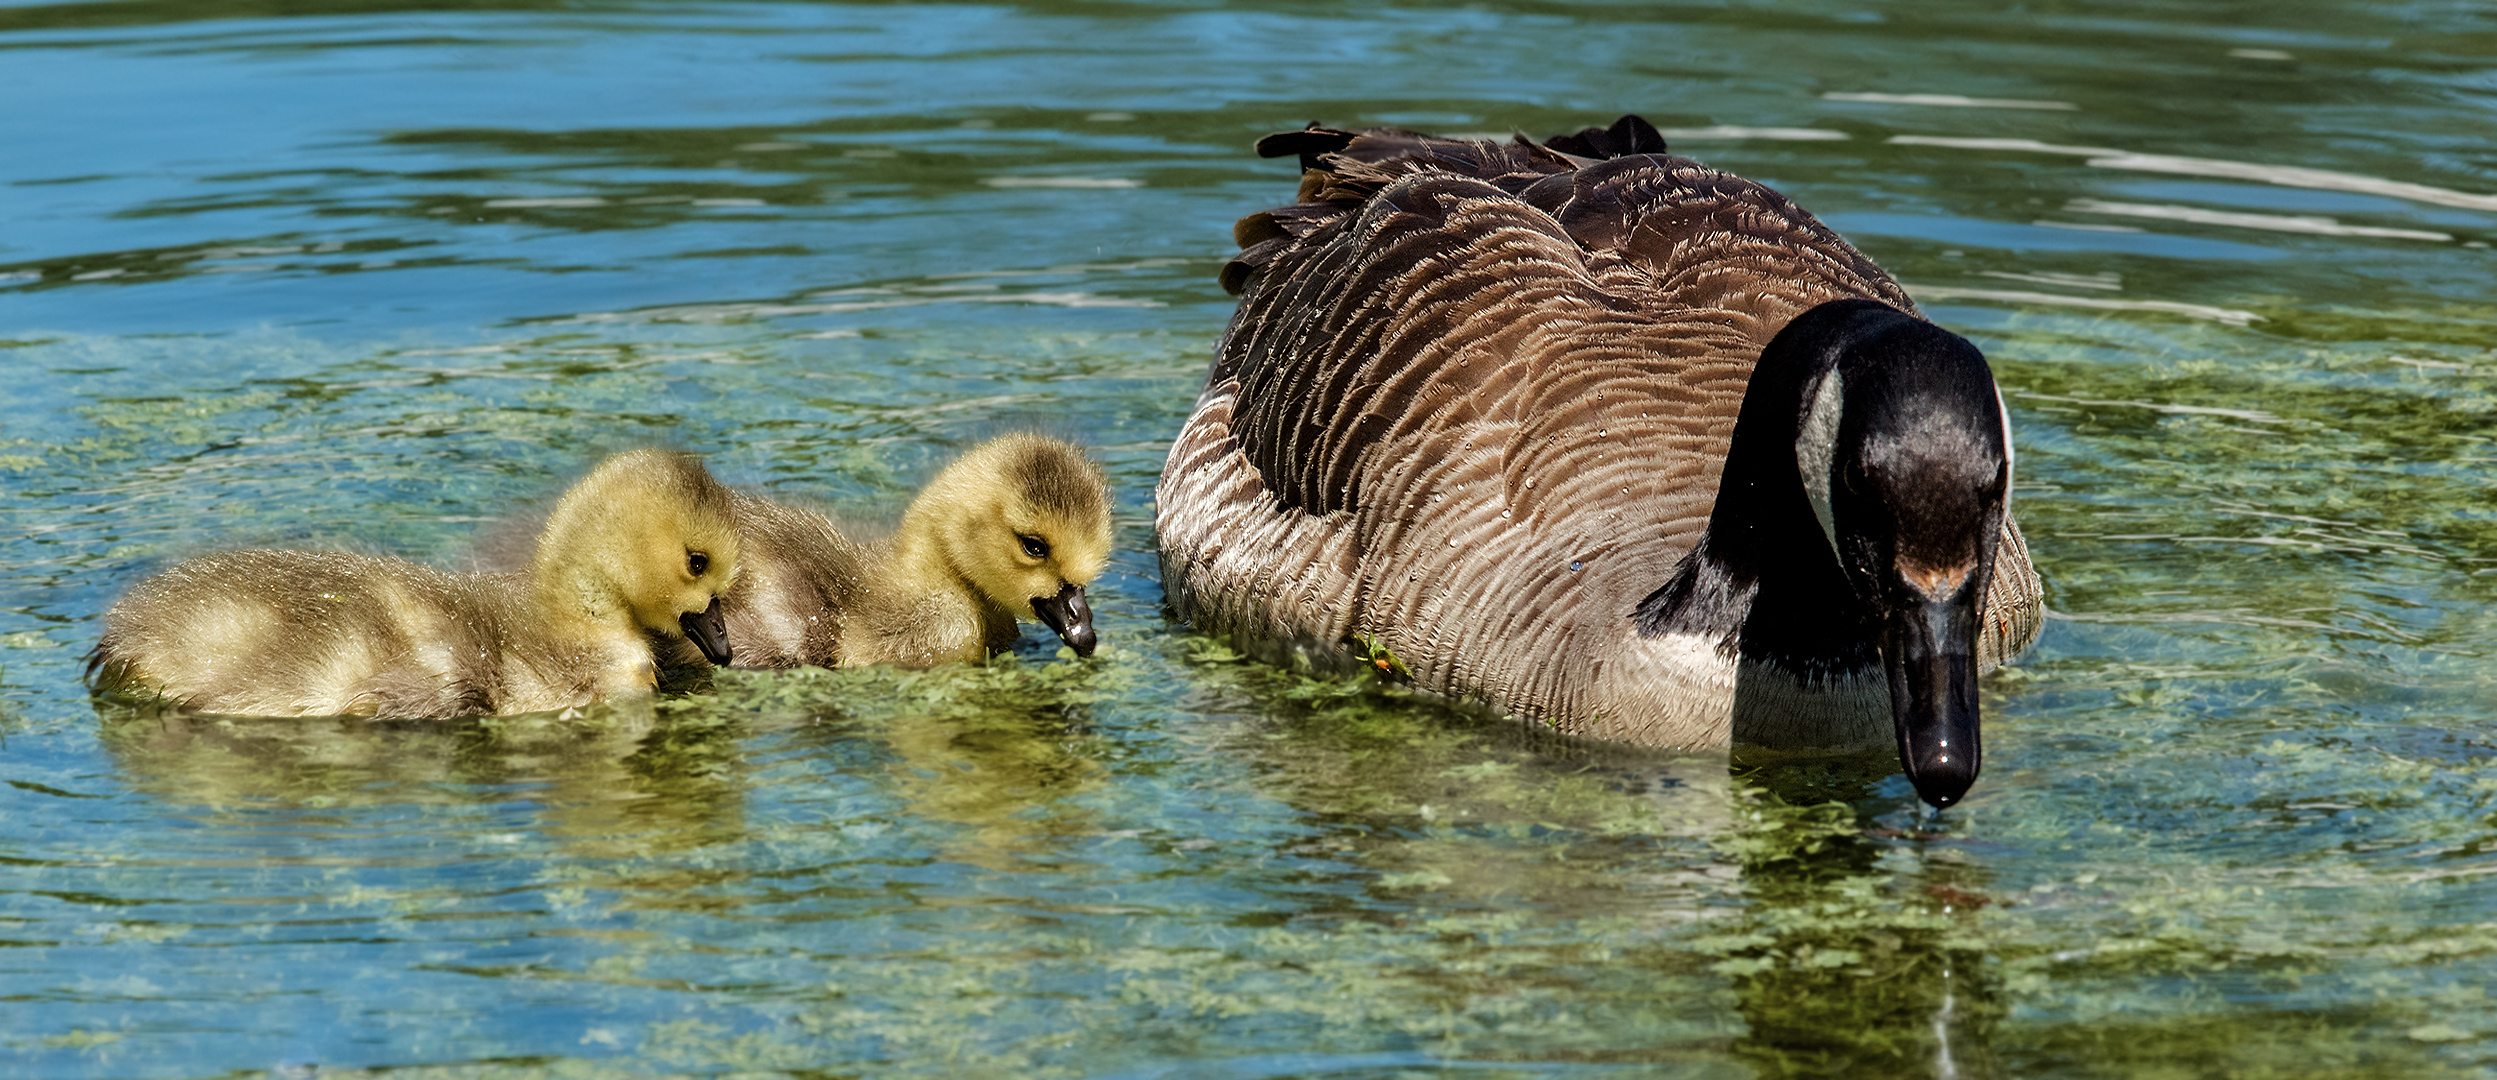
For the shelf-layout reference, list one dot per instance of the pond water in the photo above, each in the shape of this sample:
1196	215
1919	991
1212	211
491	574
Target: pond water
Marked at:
377	275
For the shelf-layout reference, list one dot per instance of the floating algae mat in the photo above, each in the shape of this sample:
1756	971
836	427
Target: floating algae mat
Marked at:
384	279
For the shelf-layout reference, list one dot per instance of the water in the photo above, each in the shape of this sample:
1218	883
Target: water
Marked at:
377	276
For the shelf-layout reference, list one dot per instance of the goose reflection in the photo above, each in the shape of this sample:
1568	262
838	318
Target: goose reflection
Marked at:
1857	966
1772	875
1430	800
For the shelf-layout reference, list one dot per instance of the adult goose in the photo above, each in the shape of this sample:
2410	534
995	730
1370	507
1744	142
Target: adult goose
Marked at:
1605	438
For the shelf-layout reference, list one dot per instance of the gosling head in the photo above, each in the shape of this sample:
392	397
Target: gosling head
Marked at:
1026	520
647	534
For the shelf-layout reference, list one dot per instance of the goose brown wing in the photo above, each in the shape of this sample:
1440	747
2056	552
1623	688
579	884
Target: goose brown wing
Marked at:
1425	284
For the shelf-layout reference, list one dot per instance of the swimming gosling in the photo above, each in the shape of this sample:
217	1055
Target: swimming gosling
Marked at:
1014	528
639	550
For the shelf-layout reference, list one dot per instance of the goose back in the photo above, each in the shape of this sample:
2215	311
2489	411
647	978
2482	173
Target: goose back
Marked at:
1474	407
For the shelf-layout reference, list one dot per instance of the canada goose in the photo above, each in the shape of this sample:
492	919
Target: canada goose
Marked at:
641	546
1479	399
1016	527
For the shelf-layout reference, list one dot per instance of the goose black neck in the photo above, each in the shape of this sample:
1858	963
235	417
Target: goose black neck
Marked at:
1763	579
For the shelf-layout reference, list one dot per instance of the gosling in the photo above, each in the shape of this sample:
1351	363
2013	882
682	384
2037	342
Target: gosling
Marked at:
1014	528
639	551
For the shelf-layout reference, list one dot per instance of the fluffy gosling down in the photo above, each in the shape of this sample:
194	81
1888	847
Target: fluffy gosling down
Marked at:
639	550
1013	529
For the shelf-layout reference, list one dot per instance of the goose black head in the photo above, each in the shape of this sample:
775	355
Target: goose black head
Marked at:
1901	449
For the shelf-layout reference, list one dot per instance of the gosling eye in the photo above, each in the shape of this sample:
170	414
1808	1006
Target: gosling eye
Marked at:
1034	546
696	562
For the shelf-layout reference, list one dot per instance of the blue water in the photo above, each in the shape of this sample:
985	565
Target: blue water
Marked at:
384	277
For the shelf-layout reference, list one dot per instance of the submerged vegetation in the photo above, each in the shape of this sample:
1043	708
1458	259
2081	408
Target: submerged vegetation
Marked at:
2238	796
2239	809
1401	883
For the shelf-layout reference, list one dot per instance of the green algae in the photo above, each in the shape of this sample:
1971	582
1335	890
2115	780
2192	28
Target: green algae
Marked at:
2237	816
2229	824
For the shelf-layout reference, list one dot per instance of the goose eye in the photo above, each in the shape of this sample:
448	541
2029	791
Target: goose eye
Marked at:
696	562
1034	546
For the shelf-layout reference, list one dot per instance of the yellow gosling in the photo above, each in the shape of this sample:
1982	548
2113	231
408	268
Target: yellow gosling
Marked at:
638	551
1013	529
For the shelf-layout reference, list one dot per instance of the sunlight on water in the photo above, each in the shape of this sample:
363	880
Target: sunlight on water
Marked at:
384	277
2283	175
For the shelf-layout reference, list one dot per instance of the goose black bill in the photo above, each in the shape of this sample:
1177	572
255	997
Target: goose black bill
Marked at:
1070	616
1930	652
708	629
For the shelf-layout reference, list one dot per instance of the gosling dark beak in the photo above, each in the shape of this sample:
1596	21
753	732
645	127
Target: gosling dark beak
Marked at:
709	631
1930	651
1070	616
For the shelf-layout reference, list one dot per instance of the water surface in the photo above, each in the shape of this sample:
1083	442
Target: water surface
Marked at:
378	275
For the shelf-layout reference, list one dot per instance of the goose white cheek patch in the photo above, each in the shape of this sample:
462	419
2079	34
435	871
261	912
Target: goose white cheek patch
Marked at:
2004	411
1815	446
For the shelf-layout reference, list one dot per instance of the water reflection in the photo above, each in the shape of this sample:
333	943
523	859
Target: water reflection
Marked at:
1955	101
1844	939
2313	225
611	783
998	757
1009	774
1856	956
1946	293
2295	176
